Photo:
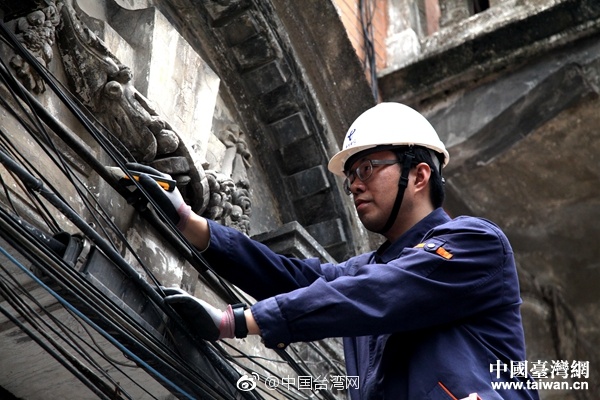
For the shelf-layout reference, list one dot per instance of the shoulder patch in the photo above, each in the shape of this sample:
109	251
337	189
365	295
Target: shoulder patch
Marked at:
433	246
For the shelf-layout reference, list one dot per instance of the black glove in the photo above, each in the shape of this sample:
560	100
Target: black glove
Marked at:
171	203
205	321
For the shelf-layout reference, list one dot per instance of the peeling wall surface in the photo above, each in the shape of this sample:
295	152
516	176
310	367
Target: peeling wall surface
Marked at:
243	102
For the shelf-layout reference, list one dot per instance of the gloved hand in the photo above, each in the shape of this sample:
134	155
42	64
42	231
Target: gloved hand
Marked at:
171	203
202	319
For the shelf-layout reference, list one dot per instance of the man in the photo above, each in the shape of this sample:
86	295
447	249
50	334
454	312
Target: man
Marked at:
432	314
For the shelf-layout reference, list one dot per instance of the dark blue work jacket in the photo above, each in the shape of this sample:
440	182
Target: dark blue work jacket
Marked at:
431	316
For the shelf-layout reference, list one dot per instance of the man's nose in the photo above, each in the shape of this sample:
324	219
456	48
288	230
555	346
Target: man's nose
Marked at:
357	186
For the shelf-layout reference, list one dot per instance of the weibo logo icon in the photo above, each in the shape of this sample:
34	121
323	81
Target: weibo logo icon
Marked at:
247	383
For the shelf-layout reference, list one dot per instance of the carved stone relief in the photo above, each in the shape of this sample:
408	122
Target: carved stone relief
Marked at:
131	117
105	85
36	32
230	202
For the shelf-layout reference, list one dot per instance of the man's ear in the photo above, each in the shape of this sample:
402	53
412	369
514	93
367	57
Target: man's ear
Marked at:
422	175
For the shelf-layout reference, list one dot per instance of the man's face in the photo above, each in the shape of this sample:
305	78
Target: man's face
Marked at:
374	197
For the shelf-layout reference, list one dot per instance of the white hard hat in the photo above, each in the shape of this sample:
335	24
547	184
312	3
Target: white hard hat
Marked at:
391	124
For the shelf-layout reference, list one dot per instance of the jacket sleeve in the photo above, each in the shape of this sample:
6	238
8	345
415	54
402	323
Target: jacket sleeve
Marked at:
256	269
419	289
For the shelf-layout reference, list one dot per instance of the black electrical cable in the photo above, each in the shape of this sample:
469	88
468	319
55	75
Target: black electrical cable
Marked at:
16	303
56	155
59	161
37	185
41	265
41	325
72	177
253	359
42	209
224	369
35	120
92	206
54	354
210	354
68	335
35	203
86	121
69	102
8	230
216	282
163	225
326	358
63	302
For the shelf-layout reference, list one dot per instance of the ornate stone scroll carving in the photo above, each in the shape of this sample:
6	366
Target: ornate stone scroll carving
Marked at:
131	117
36	31
230	202
105	85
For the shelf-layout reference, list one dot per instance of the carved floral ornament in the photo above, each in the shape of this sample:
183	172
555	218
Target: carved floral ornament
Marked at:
105	85
36	31
230	201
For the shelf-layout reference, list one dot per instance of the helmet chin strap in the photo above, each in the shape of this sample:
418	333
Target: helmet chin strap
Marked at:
409	156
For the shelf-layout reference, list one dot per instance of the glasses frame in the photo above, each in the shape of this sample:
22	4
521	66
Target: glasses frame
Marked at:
352	174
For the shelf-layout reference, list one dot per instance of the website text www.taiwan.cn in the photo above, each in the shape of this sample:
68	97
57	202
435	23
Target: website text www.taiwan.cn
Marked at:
538	375
546	375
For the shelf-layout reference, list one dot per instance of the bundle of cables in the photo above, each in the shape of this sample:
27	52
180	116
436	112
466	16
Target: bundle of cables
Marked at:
153	342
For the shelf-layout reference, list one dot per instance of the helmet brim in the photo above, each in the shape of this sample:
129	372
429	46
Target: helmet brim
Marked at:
338	161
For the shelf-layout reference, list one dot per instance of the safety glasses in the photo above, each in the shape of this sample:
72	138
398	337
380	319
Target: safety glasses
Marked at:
363	171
